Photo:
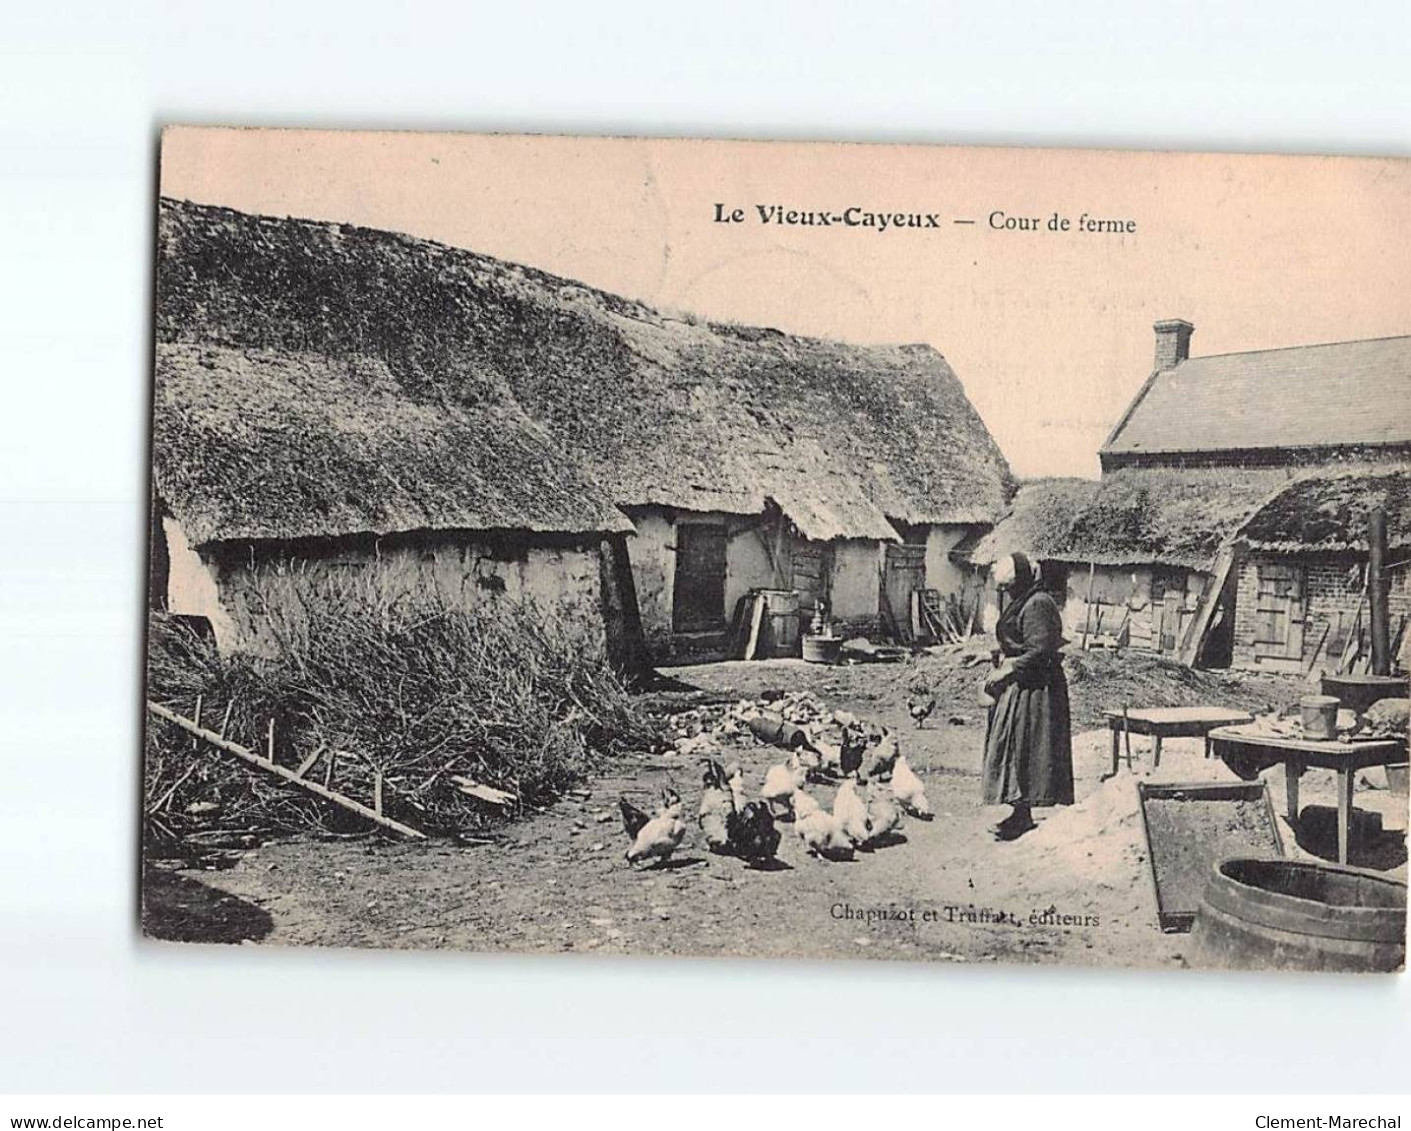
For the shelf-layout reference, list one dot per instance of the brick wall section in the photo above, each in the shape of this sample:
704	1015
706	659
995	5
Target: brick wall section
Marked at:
1332	592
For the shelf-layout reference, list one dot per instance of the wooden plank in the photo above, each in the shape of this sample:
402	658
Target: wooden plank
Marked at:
253	759
308	762
1318	649
484	792
756	620
1088	605
165	799
1205	611
1354	637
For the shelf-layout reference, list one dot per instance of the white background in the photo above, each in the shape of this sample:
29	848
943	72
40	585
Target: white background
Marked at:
84	1005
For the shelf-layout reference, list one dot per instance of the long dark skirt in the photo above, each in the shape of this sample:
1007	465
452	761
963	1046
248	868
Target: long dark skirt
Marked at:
1029	746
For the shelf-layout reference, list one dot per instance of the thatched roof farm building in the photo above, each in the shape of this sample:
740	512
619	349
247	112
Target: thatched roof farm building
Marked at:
1328	513
1189	539
324	381
1036	521
1165	516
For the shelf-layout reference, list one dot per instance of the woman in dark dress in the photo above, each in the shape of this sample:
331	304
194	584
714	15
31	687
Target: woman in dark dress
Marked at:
1028	744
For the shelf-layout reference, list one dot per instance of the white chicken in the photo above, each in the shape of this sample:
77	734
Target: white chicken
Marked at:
850	811
736	780
781	781
659	836
819	830
908	790
882	753
718	807
883	811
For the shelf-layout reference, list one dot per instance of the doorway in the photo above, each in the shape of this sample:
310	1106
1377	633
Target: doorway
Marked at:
698	600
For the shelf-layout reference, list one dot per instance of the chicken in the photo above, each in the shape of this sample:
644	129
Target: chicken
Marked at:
854	749
919	706
850	811
736	779
753	835
661	835
908	790
883	811
819	830
881	758
781	781
830	755
632	818
717	812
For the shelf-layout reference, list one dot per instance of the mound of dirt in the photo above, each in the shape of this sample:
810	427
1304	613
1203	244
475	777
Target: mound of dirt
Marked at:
1089	859
1102	680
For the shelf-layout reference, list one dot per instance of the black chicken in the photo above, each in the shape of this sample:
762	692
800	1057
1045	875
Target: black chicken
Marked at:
753	835
851	753
632	818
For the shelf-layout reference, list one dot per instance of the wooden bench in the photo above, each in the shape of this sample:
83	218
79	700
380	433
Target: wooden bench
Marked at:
1167	722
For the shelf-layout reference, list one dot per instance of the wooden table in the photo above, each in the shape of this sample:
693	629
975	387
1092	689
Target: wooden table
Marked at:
1168	722
1298	754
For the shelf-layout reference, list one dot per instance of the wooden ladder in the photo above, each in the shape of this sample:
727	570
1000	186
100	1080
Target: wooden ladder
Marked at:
292	777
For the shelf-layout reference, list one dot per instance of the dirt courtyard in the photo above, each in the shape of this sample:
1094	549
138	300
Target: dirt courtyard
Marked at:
1077	890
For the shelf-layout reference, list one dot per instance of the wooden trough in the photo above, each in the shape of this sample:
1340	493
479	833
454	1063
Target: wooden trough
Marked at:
1190	828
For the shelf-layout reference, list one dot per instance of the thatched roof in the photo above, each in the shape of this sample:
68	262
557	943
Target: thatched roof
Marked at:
1339	394
1181	517
258	443
1037	522
1327	513
650	409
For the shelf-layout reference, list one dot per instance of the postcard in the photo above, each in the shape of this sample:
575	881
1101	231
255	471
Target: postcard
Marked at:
779	550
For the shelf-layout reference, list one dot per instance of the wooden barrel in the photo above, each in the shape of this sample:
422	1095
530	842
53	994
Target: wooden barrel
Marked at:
1267	914
781	631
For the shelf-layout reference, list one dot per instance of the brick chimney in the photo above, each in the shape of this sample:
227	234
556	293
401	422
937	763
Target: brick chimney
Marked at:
1173	342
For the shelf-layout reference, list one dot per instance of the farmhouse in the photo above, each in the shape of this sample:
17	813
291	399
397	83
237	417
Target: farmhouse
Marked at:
1302	591
1039	515
1163	556
330	396
270	462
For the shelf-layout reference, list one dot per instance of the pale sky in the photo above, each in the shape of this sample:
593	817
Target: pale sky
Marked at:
1050	332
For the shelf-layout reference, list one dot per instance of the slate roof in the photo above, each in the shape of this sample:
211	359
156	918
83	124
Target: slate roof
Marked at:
1344	393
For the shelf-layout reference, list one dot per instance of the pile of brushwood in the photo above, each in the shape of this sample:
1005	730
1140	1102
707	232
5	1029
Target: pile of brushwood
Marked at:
389	681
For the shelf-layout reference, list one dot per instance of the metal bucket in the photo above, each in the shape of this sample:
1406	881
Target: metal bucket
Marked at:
1320	717
822	649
